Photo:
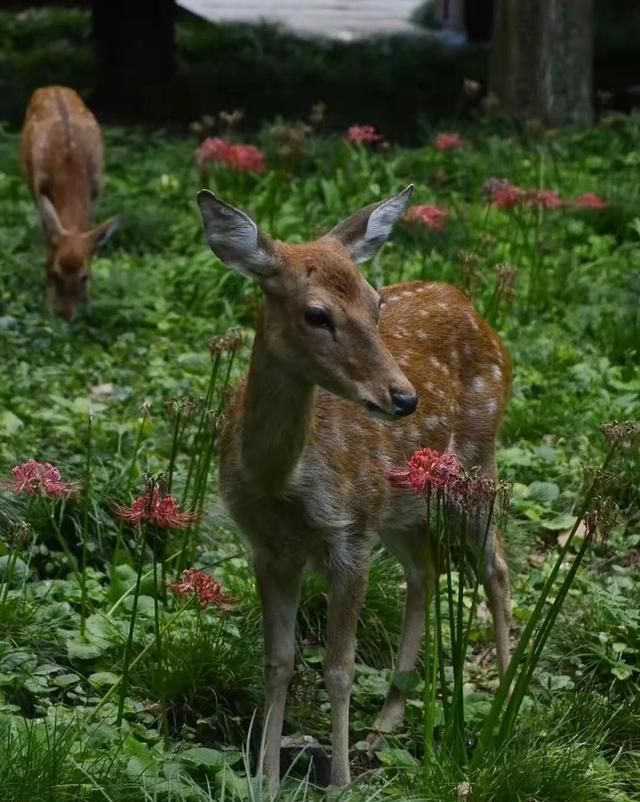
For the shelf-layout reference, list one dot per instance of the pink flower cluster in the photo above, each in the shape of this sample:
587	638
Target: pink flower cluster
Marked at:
447	141
502	194
243	158
589	201
432	217
207	590
158	509
34	477
363	133
428	471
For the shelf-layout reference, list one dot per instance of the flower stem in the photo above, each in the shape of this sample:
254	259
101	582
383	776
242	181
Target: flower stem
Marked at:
164	724
130	472
133	663
518	659
132	623
71	559
11	565
85	531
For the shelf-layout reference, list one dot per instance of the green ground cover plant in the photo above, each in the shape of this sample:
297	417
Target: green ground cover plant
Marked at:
115	682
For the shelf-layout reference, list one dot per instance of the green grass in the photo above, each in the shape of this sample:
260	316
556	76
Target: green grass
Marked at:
573	331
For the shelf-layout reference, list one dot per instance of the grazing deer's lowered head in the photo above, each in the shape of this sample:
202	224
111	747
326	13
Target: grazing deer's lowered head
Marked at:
62	155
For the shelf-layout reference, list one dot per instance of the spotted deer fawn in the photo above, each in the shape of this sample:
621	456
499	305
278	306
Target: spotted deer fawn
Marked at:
344	383
62	156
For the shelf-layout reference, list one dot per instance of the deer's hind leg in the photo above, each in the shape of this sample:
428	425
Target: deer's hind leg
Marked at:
416	555
494	573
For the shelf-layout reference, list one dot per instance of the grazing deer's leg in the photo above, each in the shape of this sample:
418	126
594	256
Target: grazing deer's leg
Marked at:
496	586
279	588
421	579
346	595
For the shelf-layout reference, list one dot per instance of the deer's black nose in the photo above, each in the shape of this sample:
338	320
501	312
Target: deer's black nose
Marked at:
404	404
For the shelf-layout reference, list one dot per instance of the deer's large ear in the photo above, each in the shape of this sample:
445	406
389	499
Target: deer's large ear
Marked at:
50	220
364	233
100	234
235	239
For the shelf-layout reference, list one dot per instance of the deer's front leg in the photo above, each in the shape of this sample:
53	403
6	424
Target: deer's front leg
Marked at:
278	583
346	595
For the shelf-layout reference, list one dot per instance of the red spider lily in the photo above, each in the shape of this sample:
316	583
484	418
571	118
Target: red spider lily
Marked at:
243	158
447	141
208	590
427	215
363	133
589	201
428	470
34	477
507	196
545	199
156	508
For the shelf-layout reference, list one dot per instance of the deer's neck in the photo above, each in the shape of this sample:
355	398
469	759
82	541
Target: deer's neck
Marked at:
72	201
277	417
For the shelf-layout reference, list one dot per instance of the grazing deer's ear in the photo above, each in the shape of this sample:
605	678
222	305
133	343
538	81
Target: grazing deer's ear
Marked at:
235	239
50	220
100	234
364	233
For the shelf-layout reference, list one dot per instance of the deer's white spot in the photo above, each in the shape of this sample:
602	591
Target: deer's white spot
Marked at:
402	332
491	407
391	298
496	372
406	293
434	389
434	422
478	385
438	365
421	335
472	321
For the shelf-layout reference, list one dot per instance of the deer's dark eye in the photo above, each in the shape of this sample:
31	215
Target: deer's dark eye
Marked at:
318	318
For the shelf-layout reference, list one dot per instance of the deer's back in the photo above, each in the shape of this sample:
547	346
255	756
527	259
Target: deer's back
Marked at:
61	145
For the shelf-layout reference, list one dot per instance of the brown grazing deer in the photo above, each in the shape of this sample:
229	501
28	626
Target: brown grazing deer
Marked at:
344	383
62	155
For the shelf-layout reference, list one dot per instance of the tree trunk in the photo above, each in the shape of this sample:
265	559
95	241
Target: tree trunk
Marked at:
135	55
542	60
478	20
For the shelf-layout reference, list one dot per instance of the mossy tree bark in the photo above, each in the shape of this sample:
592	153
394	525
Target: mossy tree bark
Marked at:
542	60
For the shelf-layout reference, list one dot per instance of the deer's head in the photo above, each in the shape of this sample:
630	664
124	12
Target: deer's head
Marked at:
69	260
320	315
